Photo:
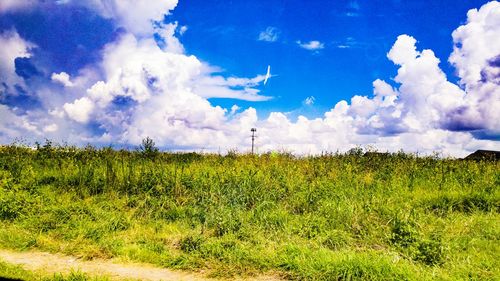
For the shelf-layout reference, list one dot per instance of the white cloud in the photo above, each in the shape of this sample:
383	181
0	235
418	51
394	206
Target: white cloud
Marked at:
165	88
476	56
183	29
208	86
136	16
170	43
10	125
424	95
381	88
311	45
62	78
50	128
79	110
234	109
404	50
476	42
271	34
14	5
12	47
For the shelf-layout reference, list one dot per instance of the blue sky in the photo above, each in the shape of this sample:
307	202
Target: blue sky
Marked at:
225	33
344	73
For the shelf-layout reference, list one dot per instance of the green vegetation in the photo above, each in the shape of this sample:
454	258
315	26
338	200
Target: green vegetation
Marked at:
330	217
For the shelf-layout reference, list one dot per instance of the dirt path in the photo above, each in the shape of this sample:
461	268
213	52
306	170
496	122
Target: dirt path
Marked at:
56	263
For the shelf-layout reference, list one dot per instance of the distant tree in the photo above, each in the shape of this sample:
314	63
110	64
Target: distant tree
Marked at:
355	151
148	148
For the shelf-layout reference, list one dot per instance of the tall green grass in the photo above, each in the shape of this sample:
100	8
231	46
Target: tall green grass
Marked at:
329	217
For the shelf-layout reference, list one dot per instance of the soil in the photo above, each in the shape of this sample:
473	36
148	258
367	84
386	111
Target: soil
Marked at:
49	264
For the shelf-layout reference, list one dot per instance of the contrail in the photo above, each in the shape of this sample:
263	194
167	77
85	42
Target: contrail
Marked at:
268	74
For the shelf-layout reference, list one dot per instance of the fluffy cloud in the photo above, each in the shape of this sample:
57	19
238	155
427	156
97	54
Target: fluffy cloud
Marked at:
159	92
404	50
476	56
62	78
477	43
12	47
311	45
80	109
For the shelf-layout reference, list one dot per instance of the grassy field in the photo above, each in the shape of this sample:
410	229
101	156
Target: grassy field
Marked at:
330	217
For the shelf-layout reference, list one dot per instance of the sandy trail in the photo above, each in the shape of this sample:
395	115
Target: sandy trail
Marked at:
56	263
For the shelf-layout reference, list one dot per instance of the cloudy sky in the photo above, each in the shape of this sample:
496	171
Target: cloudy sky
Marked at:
422	76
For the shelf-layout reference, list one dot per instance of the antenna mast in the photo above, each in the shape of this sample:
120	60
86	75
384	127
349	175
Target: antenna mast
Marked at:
253	130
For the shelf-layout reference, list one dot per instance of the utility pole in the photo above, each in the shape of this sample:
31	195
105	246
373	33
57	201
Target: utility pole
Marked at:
253	130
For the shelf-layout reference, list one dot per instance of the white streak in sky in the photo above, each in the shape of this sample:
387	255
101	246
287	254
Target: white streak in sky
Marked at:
268	74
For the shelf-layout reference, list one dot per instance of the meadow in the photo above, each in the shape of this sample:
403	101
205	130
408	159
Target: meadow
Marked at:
350	216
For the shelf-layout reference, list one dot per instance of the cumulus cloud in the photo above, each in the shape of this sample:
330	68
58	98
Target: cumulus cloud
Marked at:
476	43
166	36
161	93
12	47
476	56
62	78
271	34
80	109
311	45
404	50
